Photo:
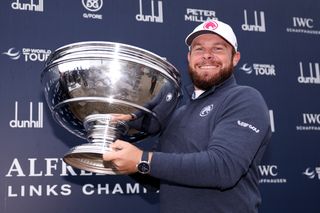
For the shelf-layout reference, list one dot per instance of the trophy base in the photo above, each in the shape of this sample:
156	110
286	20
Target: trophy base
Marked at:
89	157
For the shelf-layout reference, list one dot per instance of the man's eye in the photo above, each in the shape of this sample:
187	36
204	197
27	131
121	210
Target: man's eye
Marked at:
198	48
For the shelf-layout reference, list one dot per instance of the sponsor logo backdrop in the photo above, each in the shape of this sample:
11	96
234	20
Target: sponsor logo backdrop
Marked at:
279	42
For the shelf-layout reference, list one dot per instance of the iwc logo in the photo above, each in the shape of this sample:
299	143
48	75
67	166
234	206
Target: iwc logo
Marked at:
206	110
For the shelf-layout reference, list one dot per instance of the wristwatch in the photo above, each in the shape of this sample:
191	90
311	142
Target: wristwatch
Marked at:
144	165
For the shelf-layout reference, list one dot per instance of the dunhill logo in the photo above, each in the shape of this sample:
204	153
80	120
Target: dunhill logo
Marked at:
256	26
152	17
30	123
25	6
314	77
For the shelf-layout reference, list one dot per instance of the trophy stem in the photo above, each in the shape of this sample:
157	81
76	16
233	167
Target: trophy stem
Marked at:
102	131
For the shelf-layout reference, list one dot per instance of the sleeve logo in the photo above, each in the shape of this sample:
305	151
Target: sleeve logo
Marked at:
246	125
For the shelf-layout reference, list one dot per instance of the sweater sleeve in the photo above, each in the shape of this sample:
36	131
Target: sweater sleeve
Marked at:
237	141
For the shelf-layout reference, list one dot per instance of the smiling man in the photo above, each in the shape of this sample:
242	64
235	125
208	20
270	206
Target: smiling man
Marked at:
209	151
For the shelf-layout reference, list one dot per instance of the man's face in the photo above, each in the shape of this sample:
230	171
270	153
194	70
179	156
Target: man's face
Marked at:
211	60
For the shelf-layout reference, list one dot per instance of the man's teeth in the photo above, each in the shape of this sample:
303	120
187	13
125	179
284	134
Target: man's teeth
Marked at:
207	67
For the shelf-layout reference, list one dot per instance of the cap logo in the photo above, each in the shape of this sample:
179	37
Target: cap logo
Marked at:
210	25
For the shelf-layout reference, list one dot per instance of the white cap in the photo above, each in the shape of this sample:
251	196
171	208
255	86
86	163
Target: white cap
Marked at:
217	27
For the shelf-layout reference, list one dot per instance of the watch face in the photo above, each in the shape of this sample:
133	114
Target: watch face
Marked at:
144	167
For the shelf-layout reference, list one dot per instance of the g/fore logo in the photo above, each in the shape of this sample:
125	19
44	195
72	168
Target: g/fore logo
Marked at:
93	6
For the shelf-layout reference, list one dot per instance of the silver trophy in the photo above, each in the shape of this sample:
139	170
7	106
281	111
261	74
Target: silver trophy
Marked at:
89	85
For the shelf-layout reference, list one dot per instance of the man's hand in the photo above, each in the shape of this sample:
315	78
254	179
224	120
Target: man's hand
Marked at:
124	158
122	117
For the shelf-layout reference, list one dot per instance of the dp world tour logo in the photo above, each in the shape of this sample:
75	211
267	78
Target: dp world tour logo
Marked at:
259	69
28	54
312	173
12	53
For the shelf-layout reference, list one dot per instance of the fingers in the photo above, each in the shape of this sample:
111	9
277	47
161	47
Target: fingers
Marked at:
108	156
116	146
121	117
123	157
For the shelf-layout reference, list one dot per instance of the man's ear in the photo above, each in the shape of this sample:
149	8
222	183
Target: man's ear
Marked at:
236	58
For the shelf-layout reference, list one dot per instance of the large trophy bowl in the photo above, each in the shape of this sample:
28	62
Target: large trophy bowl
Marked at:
90	86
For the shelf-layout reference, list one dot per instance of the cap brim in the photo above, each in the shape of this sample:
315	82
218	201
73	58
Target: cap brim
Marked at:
193	35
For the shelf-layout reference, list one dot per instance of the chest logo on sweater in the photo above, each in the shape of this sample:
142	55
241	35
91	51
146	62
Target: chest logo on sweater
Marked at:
206	110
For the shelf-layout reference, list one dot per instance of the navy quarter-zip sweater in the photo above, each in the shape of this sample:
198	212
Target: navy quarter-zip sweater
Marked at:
209	153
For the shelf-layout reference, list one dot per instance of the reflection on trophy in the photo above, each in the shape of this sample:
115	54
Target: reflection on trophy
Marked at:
88	84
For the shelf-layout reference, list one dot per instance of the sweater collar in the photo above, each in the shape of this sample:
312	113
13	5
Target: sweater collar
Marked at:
228	82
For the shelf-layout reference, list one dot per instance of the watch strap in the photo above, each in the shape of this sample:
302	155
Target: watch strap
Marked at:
145	156
144	166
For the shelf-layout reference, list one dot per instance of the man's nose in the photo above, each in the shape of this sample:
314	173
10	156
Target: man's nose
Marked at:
208	54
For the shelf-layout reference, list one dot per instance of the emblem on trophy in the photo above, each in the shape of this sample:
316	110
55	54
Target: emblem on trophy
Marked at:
89	85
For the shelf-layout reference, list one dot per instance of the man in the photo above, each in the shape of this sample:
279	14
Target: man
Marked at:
211	148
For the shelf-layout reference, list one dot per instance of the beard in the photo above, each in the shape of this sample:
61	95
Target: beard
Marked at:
207	82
